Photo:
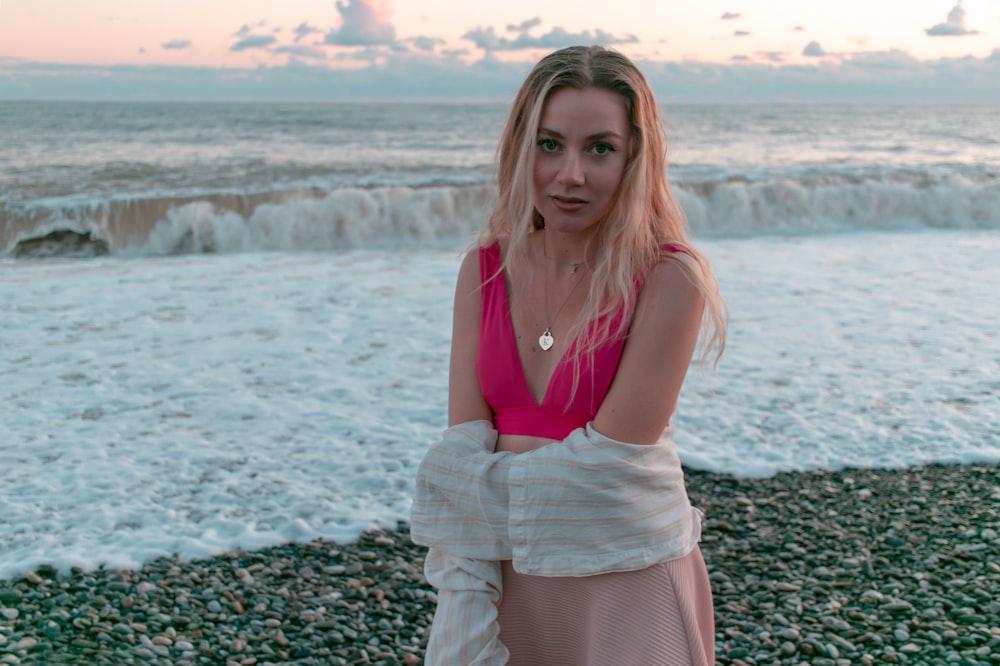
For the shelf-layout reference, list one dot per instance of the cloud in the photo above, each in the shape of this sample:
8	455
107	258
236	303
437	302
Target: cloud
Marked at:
525	26
814	50
247	29
771	56
488	40
873	77
253	42
954	26
303	30
729	16
424	43
301	51
363	23
176	45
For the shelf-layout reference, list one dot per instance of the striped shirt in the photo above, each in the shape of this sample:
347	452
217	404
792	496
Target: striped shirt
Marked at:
583	506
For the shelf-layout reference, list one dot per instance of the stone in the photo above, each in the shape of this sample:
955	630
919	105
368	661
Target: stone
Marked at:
792	589
789	633
836	624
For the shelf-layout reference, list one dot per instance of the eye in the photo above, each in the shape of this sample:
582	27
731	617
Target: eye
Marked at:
602	148
548	145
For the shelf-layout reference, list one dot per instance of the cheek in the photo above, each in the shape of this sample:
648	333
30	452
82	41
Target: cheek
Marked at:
543	175
542	168
537	181
539	184
612	178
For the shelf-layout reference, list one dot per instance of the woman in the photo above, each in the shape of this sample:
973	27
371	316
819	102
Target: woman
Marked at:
575	321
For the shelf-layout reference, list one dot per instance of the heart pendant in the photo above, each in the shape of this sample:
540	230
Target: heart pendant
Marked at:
545	340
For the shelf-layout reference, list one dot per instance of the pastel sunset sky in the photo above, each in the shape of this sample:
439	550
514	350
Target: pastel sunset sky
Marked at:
915	50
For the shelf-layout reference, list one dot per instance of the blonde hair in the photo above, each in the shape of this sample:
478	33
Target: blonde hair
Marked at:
644	217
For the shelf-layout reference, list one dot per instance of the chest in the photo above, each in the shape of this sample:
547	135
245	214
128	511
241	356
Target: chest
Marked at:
542	313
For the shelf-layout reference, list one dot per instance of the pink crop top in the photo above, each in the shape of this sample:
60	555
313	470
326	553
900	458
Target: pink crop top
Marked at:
501	376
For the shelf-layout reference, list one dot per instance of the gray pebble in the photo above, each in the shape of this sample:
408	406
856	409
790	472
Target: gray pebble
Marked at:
814	575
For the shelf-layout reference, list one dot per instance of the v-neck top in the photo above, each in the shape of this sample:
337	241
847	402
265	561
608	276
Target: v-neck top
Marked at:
501	375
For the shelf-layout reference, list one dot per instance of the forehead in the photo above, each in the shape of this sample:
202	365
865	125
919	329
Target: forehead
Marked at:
585	110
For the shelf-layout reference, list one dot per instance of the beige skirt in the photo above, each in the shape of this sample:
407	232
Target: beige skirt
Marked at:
660	616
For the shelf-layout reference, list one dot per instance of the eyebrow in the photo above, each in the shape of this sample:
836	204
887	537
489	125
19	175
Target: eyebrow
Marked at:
592	137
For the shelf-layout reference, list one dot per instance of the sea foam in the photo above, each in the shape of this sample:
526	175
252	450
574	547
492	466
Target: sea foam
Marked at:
197	403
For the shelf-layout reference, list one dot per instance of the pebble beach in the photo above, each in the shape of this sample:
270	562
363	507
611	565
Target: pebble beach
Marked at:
834	568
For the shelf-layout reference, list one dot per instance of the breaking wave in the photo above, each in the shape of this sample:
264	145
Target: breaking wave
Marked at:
404	216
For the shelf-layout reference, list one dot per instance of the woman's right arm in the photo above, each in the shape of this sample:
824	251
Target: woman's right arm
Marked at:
465	398
465	629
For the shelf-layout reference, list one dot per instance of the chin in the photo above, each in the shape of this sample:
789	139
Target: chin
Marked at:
570	226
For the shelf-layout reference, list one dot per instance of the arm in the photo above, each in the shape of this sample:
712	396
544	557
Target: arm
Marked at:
465	399
657	353
590	505
465	628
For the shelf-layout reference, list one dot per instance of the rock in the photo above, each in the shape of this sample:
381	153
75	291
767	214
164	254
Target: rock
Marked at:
791	584
836	624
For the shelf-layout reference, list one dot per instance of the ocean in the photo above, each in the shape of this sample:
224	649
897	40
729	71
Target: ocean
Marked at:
227	325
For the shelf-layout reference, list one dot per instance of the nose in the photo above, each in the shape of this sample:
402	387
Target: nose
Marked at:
570	170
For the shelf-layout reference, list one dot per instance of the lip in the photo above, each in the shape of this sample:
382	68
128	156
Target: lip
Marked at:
568	204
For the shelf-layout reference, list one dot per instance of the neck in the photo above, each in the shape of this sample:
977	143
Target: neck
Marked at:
566	252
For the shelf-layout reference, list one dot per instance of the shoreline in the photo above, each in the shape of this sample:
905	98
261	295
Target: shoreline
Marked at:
858	566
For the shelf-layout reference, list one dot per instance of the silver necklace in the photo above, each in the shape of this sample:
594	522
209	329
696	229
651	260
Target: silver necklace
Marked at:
574	266
545	340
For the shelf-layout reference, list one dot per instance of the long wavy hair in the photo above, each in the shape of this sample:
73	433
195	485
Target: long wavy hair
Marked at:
644	217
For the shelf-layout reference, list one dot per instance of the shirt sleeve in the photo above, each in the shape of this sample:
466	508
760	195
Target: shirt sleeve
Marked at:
583	506
465	628
579	507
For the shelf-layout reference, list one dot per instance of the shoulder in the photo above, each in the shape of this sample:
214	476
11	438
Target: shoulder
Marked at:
668	287
668	298
469	273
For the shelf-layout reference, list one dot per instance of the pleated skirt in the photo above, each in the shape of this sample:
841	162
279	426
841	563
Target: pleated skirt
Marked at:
660	616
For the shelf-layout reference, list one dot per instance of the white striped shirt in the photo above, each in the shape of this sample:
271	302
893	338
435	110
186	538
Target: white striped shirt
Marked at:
584	506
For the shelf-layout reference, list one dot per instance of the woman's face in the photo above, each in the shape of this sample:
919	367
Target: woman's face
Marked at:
582	148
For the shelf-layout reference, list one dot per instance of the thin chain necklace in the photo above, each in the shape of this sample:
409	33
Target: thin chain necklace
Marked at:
574	266
545	340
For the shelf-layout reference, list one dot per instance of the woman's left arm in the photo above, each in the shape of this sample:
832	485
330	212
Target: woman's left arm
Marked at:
656	357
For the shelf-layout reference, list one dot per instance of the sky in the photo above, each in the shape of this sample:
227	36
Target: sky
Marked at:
736	50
